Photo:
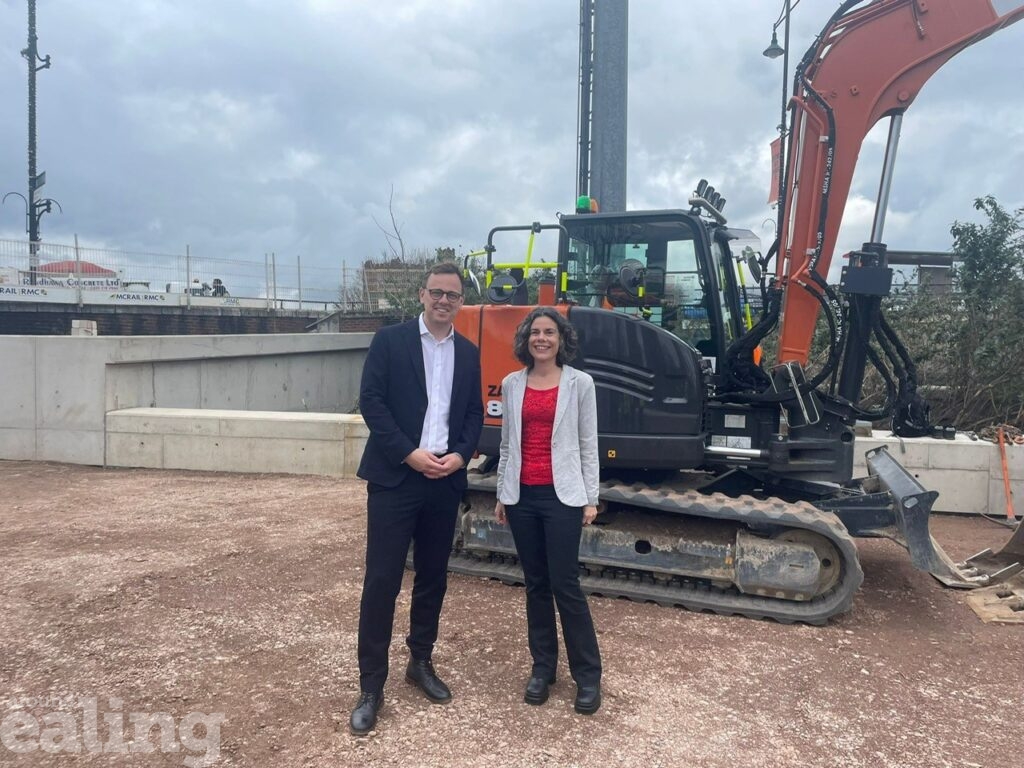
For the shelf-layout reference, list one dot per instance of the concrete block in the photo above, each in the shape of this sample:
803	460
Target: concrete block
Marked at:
72	446
249	441
135	450
17	444
83	328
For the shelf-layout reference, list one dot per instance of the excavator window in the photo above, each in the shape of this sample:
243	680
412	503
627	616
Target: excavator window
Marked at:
654	267
686	297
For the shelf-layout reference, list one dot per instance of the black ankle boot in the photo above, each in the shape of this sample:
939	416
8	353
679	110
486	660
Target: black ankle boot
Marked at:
588	699
537	689
364	716
422	675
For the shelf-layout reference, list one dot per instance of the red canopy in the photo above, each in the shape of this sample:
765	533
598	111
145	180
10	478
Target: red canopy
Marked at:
70	267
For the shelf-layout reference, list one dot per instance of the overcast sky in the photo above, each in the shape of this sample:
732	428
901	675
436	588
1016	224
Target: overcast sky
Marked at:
241	127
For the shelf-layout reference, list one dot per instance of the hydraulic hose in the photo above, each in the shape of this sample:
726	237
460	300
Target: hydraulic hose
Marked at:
911	413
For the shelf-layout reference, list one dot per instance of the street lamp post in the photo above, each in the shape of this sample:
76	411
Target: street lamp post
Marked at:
773	51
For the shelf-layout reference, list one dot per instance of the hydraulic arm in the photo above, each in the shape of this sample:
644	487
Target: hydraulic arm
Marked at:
869	62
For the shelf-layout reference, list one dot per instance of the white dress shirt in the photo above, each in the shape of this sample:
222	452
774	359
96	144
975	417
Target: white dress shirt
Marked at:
439	367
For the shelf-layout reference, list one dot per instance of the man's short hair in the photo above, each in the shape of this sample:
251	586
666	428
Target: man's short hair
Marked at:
441	268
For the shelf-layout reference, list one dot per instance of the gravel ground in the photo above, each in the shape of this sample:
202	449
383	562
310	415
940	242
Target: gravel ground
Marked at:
229	603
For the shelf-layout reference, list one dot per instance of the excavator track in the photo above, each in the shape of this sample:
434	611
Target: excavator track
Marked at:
771	537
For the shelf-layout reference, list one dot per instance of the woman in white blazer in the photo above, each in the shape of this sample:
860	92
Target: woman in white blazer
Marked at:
547	491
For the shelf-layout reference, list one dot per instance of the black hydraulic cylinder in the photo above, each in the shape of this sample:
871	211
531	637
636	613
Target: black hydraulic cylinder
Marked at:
865	281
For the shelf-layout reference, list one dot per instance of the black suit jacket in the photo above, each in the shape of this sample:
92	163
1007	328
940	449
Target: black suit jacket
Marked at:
393	402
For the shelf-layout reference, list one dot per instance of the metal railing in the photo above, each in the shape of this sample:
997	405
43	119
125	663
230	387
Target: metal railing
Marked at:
86	274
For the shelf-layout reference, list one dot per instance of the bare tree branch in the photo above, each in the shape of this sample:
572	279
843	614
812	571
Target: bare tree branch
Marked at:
394	234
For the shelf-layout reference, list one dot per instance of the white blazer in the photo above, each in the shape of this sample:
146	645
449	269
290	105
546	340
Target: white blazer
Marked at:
574	463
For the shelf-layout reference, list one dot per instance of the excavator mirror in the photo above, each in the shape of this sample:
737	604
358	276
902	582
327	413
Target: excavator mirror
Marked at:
469	278
752	263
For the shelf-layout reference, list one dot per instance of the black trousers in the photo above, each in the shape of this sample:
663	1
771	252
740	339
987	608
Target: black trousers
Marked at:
547	535
417	510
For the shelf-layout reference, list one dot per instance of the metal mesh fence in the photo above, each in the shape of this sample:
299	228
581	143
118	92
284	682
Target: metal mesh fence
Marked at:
68	272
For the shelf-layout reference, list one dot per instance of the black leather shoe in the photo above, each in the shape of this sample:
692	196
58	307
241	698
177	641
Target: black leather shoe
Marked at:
422	675
537	690
364	716
588	699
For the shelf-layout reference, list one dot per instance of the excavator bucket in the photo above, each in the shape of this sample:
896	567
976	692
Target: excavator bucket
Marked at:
912	506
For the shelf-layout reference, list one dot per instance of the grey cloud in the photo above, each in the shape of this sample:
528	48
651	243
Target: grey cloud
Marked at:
248	127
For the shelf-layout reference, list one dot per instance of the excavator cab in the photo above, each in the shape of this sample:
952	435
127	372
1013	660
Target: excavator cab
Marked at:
665	267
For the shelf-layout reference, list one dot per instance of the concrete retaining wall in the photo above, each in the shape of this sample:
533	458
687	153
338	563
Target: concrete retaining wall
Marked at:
56	394
56	391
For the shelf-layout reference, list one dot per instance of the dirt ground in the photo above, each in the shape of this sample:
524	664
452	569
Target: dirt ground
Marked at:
229	603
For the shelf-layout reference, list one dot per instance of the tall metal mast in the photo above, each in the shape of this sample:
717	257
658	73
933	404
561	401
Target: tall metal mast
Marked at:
601	153
35	208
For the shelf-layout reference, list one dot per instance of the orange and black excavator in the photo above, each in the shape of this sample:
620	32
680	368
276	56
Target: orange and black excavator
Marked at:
727	485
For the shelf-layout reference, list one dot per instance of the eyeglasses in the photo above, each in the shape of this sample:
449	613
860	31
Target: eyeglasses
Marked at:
437	294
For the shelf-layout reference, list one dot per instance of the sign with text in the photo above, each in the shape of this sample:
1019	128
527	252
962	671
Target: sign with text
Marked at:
36	293
127	297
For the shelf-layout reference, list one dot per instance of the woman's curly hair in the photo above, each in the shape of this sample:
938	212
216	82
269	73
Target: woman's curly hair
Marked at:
568	341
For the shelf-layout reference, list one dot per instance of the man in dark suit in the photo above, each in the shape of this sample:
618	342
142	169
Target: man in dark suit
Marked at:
420	398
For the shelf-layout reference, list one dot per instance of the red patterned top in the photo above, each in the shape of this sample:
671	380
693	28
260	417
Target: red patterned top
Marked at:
538	421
